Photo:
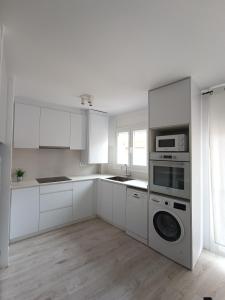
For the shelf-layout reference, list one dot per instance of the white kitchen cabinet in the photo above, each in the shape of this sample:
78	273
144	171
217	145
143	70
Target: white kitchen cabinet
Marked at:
26	126
56	200
55	218
96	151
169	105
84	199
24	212
106	201
78	124
119	205
54	128
136	214
57	187
56	205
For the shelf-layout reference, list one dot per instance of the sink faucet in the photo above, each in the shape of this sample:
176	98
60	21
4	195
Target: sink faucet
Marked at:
128	174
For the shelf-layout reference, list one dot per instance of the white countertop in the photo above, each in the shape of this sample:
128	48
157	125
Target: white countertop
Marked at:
32	183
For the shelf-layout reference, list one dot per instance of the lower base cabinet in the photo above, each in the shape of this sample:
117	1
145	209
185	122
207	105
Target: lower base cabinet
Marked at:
119	205
105	203
56	205
24	212
137	214
84	199
55	217
41	208
111	203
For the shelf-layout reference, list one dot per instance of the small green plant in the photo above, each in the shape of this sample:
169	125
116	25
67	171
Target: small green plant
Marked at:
20	172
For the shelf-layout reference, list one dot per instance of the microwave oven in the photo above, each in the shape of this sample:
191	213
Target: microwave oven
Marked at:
171	143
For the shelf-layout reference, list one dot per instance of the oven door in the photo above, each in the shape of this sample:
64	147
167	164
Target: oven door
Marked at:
170	178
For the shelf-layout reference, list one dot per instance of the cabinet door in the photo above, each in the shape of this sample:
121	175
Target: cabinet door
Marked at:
56	200
26	126
24	212
78	131
54	128
98	138
136	213
83	199
57	217
107	201
119	205
170	104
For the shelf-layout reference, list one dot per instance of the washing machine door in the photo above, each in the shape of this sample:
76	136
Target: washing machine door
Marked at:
167	226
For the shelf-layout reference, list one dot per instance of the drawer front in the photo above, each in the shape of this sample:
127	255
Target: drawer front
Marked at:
55	218
136	193
56	200
45	189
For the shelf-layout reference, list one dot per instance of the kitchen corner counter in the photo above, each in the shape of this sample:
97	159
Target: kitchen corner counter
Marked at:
33	183
135	183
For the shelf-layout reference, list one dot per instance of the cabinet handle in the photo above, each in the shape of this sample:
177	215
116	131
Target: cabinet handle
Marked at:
136	196
157	201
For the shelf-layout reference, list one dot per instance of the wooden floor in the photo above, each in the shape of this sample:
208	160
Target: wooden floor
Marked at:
94	260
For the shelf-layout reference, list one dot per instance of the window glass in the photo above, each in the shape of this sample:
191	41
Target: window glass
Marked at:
123	147
140	147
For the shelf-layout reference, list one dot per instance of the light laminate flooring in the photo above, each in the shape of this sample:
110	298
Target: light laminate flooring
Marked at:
94	260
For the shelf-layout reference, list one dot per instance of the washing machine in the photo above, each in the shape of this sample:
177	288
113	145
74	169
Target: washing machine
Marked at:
170	228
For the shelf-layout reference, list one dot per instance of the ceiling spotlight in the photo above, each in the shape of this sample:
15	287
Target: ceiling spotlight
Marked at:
86	98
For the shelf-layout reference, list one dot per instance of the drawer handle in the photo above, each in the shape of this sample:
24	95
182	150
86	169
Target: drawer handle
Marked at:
157	201
136	196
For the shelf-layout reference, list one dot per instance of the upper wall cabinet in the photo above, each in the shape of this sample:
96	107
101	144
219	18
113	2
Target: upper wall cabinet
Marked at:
170	105
78	131
26	126
97	138
54	128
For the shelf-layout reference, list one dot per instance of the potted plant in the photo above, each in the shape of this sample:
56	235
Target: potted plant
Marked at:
19	174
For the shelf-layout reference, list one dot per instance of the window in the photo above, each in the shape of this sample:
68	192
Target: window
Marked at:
136	140
123	148
140	147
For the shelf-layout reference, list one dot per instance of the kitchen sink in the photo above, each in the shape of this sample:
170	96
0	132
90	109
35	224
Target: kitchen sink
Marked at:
119	178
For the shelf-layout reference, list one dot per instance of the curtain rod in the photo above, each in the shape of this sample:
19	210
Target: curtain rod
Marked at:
210	90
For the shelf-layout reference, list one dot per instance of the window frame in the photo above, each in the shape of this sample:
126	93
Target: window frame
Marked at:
117	133
130	131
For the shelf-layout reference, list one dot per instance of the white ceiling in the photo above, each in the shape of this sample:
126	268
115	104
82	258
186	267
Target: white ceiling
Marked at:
113	49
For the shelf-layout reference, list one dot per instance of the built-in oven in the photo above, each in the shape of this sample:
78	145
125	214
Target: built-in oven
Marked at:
170	177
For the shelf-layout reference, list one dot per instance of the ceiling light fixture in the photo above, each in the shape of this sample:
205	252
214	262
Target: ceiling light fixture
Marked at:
86	98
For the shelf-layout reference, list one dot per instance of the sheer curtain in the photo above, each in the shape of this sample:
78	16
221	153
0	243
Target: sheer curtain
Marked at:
214	169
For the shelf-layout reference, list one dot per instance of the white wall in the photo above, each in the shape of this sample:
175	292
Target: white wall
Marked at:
50	162
131	119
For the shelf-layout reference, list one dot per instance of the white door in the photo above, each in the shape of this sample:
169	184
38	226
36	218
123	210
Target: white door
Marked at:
136	213
83	199
26	126
54	128
24	212
119	205
78	131
107	201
